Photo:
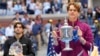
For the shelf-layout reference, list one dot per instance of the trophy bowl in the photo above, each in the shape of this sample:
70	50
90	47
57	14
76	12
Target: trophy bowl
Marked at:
67	35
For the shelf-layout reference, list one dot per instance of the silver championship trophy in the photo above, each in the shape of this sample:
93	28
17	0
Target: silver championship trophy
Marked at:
15	48
67	34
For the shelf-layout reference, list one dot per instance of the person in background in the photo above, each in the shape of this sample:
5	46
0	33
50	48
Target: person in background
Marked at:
46	7
23	7
17	7
25	41
2	29
31	7
10	7
85	37
90	16
29	26
65	3
38	8
58	27
3	6
9	30
97	9
55	7
25	19
47	29
97	36
39	19
36	31
59	23
2	41
28	2
17	17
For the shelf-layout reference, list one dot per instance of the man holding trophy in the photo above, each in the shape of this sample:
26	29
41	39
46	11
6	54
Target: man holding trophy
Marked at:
18	45
76	36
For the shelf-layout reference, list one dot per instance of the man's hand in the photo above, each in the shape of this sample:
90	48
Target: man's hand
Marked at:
82	40
79	32
55	38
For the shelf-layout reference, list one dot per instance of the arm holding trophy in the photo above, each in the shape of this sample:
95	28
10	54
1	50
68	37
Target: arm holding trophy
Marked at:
76	36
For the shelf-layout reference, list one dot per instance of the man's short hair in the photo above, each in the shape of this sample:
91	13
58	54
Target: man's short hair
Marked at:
76	5
15	25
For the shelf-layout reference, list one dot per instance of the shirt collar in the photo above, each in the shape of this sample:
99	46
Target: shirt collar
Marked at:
73	23
19	38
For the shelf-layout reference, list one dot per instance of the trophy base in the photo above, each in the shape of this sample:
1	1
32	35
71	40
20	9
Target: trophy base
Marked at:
67	49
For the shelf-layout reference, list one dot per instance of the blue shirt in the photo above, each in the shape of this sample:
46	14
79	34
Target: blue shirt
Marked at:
36	29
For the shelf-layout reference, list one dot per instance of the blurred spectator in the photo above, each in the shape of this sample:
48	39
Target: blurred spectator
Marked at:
30	25
17	17
39	19
60	4
9	30
36	30
90	16
25	19
85	8
97	37
65	3
2	29
98	26
18	7
24	9
94	29
28	2
58	27
38	8
84	3
59	23
3	7
31	7
55	7
47	28
46	7
2	40
98	12
9	6
96	22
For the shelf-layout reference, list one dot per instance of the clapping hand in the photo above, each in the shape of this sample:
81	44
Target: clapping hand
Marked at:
82	40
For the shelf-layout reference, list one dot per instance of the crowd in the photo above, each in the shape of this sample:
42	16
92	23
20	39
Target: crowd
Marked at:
34	27
10	7
31	6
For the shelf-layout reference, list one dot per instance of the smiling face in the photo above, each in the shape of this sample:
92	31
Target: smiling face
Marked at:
73	12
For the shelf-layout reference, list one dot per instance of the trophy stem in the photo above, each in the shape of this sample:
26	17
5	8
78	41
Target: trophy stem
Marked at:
67	48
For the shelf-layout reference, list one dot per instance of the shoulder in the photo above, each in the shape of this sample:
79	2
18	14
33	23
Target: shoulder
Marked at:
9	40
84	26
26	39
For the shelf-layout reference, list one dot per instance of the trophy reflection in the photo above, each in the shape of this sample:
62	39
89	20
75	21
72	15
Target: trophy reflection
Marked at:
15	48
67	34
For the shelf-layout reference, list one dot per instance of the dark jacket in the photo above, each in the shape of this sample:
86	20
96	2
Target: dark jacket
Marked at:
26	43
